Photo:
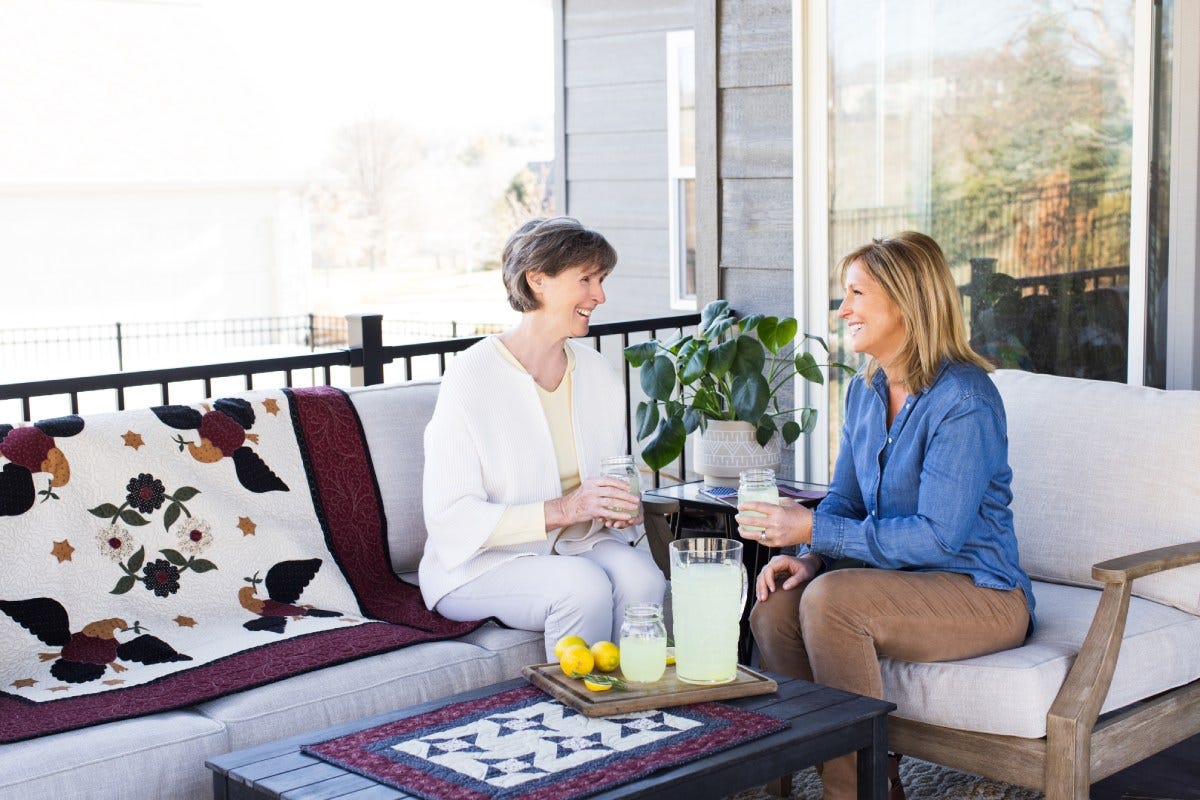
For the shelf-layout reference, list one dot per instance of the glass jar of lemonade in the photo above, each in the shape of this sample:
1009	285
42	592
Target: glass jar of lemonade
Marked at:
622	467
643	643
757	486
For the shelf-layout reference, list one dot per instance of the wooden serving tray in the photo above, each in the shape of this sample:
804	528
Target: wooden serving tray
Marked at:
666	692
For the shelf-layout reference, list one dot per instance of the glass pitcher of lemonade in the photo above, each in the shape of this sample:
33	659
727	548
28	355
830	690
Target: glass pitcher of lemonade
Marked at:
708	592
757	485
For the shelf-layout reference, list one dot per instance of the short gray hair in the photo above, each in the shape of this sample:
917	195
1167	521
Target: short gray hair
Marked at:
550	246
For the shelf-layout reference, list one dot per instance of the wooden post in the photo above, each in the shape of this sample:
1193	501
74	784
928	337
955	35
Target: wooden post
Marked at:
366	334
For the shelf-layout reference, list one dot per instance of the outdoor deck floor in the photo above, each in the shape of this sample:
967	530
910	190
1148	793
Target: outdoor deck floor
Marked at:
1173	774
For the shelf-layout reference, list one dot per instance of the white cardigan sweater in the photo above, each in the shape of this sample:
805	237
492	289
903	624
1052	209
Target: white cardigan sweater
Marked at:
488	446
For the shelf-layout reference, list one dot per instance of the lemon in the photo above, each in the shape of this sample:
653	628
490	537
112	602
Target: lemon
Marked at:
565	642
670	655
577	661
607	655
595	686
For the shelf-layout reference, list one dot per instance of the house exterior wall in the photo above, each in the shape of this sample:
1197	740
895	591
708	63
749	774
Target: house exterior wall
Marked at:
612	67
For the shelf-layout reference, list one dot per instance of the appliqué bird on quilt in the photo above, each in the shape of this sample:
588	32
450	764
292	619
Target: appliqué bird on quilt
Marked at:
31	450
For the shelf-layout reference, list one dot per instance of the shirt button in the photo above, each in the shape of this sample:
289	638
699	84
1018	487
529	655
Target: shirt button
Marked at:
889	440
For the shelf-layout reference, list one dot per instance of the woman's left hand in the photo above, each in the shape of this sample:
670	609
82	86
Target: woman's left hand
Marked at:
785	524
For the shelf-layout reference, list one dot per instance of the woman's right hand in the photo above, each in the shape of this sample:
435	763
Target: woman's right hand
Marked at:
595	498
794	570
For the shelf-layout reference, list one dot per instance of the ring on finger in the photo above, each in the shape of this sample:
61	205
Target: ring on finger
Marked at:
762	536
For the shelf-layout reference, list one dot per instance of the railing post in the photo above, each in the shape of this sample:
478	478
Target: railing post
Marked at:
366	334
120	351
312	332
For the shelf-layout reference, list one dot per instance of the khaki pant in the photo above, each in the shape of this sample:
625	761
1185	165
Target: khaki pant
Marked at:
832	630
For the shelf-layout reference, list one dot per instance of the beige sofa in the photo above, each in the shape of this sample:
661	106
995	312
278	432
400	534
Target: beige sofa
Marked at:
162	756
1106	484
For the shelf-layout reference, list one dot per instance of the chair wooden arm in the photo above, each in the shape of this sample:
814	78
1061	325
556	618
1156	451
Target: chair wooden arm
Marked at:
1077	705
1147	562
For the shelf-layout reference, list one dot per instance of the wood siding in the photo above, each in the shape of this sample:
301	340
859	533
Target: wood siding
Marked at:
613	146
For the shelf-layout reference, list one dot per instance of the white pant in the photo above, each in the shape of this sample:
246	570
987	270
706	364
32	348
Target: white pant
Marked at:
585	594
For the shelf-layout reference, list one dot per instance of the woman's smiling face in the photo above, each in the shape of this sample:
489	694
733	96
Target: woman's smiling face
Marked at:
570	296
875	323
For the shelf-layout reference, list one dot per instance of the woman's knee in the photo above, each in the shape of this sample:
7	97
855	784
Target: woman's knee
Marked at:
775	616
582	586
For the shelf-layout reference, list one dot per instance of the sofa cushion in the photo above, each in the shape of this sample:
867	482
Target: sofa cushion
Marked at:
1010	692
394	417
148	758
1102	470
360	688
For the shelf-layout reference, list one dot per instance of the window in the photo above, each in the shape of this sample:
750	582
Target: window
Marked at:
681	167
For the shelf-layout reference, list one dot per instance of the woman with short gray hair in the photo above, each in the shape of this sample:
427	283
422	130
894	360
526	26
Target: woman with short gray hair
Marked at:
522	526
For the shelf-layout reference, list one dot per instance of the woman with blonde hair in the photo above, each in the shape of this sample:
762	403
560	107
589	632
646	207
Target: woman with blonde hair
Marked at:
920	495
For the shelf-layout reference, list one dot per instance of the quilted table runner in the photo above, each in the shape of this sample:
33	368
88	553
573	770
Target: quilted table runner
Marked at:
159	558
522	744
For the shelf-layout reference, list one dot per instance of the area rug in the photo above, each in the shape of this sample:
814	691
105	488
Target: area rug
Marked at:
922	781
524	745
158	558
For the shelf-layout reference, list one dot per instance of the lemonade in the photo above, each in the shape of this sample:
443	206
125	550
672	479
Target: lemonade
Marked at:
643	658
622	467
707	602
767	494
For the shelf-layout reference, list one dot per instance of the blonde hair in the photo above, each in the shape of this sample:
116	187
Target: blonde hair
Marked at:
913	271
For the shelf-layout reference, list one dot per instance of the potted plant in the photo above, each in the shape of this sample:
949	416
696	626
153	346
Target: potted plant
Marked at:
719	381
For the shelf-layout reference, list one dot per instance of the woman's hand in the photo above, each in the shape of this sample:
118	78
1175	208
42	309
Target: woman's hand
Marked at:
604	498
792	569
785	524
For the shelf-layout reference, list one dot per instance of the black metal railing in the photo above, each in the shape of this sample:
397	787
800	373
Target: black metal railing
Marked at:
365	361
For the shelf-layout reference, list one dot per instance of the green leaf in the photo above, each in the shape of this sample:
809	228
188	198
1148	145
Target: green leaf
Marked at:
749	358
818	340
124	585
749	323
646	418
766	333
791	431
131	517
171	514
106	510
712	312
705	401
786	331
764	431
691	420
174	556
694	361
201	565
185	493
638	354
719	329
135	560
806	365
808	419
666	444
720	358
658	378
750	397
676	342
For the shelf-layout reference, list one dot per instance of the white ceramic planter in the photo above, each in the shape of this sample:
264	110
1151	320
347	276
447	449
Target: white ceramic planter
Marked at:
727	448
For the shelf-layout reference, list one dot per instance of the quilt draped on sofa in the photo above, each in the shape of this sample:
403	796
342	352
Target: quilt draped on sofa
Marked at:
156	559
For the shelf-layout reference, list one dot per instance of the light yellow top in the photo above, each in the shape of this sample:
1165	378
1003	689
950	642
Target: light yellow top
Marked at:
526	522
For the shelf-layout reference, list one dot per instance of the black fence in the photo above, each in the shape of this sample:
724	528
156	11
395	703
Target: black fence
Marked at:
368	361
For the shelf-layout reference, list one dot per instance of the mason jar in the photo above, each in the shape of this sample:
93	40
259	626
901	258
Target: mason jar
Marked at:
622	467
643	643
757	485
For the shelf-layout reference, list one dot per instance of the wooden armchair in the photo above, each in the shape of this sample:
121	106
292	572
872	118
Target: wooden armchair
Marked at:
1079	746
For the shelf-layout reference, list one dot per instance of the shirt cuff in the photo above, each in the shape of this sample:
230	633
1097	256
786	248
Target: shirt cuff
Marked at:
520	523
827	535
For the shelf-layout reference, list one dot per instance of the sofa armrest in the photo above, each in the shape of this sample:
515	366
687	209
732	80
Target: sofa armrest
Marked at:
1147	562
1075	709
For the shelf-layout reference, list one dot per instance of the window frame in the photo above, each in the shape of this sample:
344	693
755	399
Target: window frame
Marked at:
677	173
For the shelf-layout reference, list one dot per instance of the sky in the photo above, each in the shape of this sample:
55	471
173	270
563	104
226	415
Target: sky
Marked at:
159	90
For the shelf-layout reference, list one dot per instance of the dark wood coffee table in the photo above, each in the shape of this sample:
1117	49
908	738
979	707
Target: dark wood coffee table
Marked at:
824	723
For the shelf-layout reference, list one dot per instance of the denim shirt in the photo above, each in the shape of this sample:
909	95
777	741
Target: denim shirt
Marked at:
932	491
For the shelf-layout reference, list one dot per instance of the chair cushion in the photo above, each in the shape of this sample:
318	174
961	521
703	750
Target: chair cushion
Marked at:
1010	692
1101	470
394	417
372	685
152	757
